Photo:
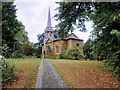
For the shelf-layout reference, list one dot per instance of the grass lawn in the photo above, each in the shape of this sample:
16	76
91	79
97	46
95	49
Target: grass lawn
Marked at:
26	71
83	74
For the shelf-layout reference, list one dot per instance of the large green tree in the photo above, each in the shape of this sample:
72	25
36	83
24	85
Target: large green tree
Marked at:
12	29
106	19
71	14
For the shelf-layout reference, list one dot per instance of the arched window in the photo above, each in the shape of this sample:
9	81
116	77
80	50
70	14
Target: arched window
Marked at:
57	49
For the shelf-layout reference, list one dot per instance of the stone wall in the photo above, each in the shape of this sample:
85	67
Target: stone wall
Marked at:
63	45
74	42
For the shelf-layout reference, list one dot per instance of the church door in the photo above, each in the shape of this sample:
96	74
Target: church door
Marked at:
44	54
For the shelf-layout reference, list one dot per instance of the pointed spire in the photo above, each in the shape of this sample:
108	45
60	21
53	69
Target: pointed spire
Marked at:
49	19
49	29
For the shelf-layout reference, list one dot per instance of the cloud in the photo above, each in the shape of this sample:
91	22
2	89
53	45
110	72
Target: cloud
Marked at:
34	14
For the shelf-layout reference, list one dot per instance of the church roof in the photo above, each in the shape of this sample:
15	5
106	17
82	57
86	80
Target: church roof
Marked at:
72	36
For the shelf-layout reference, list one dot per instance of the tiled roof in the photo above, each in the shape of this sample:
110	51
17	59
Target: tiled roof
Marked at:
73	36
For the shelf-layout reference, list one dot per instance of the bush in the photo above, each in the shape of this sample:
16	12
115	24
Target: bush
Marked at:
64	56
7	71
74	51
61	56
114	64
51	57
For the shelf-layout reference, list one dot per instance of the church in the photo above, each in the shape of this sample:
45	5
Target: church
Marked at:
53	47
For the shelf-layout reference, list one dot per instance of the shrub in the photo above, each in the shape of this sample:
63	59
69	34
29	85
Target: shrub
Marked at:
64	56
74	51
51	57
61	56
7	71
114	64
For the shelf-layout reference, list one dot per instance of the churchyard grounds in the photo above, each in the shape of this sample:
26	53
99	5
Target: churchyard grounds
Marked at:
26	71
74	73
83	74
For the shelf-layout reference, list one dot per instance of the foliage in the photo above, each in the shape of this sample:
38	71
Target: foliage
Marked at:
26	43
64	56
5	49
7	71
74	51
39	52
12	30
31	50
51	57
87	49
106	17
106	39
116	32
61	56
28	48
71	14
40	38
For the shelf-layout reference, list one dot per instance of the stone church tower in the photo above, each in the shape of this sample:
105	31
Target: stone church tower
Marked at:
53	47
49	33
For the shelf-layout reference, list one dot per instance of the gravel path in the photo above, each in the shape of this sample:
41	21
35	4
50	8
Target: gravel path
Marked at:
48	77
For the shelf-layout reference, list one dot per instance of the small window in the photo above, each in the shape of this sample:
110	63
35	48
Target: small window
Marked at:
57	49
77	45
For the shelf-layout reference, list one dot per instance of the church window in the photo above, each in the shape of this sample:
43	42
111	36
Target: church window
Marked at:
57	49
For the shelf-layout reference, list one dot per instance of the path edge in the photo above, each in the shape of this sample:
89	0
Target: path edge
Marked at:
39	77
57	76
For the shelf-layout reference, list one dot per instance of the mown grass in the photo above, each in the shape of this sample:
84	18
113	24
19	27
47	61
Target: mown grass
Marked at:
83	74
82	63
26	71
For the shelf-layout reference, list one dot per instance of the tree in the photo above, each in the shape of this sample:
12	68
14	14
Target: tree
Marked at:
72	14
107	45
74	51
11	29
106	17
39	52
25	43
40	39
87	49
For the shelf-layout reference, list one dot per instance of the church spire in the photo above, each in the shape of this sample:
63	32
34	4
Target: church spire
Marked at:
49	19
49	29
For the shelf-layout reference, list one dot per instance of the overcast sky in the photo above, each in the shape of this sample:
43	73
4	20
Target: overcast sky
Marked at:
34	15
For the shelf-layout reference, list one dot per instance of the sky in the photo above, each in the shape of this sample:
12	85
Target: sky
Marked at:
34	14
